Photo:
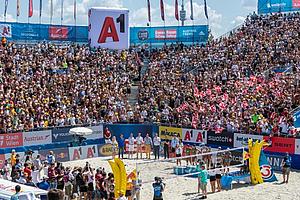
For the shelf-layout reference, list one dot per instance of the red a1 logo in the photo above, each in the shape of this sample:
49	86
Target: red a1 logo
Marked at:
109	29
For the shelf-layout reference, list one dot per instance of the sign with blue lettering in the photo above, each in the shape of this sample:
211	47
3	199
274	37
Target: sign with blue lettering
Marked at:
275	161
271	6
297	119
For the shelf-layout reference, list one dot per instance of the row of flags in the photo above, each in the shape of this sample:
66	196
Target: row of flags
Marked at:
30	8
162	10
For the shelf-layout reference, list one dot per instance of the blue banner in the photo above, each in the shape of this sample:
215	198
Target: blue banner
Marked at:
271	6
61	135
297	119
169	34
266	169
275	161
126	129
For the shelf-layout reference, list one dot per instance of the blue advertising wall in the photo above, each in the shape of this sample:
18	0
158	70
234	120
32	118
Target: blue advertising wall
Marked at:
138	35
127	129
169	34
270	6
297	119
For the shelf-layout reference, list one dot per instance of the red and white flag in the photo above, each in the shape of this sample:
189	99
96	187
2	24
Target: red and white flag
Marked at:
182	107
208	92
162	10
196	91
222	106
30	8
176	10
195	120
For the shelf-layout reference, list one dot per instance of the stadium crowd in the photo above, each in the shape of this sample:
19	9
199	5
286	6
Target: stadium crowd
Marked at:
228	84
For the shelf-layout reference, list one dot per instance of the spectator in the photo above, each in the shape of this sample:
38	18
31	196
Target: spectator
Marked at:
166	149
139	144
16	195
130	146
115	147
148	145
156	146
121	143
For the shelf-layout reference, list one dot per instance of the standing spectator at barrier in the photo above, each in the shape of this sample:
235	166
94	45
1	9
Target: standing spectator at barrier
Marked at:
16	195
174	143
166	149
286	167
202	177
130	146
139	144
5	171
121	143
52	176
115	146
156	146
218	176
37	163
148	145
51	158
178	152
13	157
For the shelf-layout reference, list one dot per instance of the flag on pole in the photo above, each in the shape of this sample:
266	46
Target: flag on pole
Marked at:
5	8
30	9
162	10
18	8
176	10
205	9
62	10
192	11
75	9
149	10
41	7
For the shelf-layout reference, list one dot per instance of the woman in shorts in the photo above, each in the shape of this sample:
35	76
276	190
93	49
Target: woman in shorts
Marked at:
218	176
115	147
212	178
130	146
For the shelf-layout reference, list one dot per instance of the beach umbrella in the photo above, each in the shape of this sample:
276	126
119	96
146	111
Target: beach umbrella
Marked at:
83	131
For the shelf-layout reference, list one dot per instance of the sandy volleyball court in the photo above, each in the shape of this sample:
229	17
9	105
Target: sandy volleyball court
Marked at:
183	188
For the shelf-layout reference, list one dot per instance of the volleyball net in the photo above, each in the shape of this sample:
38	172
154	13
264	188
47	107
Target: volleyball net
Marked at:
188	165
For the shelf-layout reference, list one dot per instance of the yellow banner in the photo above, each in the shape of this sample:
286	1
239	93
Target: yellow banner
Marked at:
166	133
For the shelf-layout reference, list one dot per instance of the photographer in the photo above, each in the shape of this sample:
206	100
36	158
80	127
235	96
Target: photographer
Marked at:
158	188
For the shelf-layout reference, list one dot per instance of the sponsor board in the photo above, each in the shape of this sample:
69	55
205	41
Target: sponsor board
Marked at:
297	146
236	157
83	152
275	161
220	139
194	136
61	154
105	150
37	138
58	33
166	133
62	135
11	140
97	132
241	140
2	160
170	34
296	3
280	144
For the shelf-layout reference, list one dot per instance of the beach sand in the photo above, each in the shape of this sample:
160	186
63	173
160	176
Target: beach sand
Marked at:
183	188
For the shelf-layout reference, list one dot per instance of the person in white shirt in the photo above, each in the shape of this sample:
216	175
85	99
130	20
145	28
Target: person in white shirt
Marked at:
156	145
139	144
174	143
130	146
178	152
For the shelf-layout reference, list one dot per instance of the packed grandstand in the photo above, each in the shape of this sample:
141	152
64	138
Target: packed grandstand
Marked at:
247	82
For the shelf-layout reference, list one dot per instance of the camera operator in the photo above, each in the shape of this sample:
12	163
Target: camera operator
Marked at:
158	187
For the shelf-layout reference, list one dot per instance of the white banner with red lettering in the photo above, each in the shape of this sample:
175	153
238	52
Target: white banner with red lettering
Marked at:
83	152
108	28
194	136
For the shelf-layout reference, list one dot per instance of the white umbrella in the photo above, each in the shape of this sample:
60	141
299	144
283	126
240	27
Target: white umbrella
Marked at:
81	131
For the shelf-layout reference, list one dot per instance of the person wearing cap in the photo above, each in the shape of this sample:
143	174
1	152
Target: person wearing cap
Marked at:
202	178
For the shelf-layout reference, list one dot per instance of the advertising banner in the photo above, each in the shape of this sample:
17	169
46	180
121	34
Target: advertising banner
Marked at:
280	144
241	140
61	154
58	33
127	129
275	161
266	169
104	150
194	136
11	140
5	30
83	152
297	146
108	28
37	138
297	119
166	133
2	159
271	6
169	34
220	139
61	135
97	132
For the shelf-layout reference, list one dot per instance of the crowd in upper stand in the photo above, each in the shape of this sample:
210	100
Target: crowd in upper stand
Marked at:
228	84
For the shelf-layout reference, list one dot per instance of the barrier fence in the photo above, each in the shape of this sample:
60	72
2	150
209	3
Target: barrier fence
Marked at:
58	140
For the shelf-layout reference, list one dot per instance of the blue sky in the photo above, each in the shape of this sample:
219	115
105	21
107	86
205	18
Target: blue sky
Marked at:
224	14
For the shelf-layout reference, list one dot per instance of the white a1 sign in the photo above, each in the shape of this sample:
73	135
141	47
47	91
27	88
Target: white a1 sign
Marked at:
109	28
